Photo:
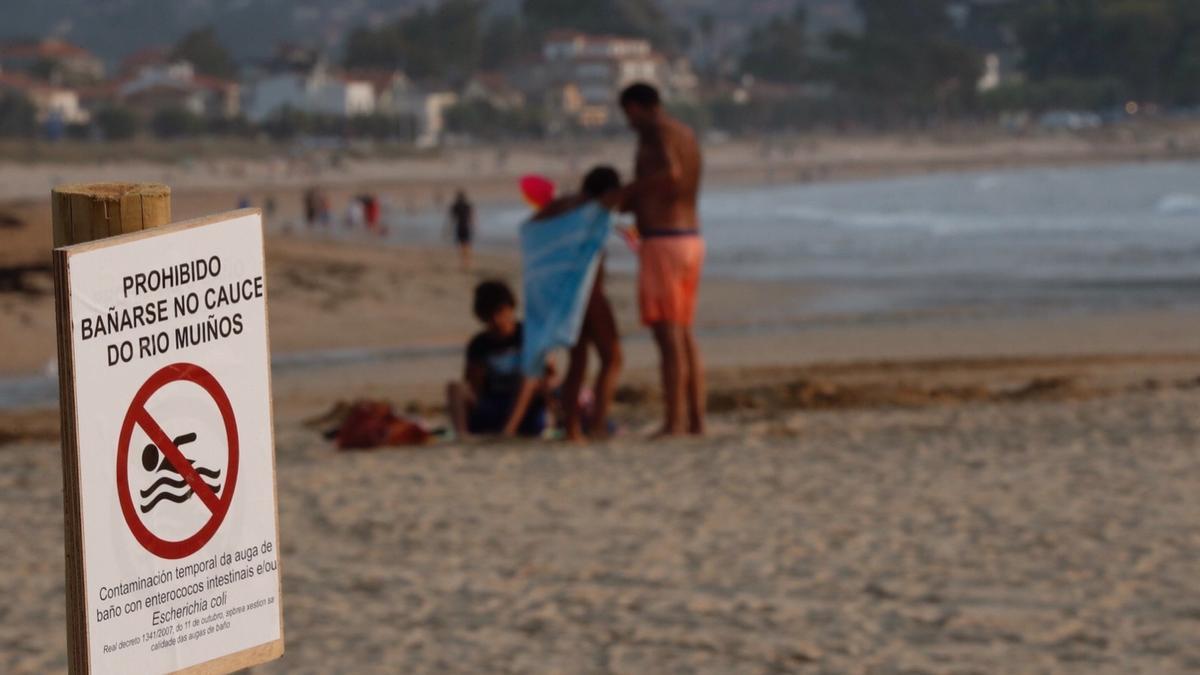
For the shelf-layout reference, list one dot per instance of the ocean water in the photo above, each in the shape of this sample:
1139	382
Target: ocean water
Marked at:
1078	238
1115	224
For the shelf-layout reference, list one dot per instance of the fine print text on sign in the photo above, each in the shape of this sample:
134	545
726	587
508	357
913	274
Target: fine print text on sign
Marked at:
174	452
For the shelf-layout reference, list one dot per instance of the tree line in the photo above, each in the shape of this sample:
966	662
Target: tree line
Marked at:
450	41
912	62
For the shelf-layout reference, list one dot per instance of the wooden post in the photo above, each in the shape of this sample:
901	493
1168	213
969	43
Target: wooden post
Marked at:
88	212
83	213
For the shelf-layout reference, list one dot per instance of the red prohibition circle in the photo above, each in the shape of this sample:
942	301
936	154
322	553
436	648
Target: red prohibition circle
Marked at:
137	415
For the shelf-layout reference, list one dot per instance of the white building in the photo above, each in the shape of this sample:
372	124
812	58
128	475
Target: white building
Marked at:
396	95
50	101
428	110
594	69
399	96
158	86
318	92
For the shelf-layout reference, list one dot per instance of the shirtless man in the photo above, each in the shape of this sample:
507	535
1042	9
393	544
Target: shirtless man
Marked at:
663	199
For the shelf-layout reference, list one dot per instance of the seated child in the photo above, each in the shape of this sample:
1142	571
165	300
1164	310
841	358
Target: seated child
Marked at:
484	402
599	329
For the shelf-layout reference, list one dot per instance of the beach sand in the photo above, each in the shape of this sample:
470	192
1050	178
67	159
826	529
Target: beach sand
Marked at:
1051	534
910	495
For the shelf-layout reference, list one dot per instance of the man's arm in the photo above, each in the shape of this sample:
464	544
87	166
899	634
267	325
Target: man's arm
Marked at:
559	206
666	179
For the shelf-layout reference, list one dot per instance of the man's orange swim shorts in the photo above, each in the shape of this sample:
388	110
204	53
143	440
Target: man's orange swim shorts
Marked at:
669	277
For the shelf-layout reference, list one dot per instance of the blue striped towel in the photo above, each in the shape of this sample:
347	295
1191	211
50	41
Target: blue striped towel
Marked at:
560	257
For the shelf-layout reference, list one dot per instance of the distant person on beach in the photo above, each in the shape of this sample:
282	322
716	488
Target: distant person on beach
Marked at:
372	213
663	199
354	213
324	209
462	218
312	206
484	401
599	328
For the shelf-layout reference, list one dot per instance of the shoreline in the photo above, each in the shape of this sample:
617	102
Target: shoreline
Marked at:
491	171
407	302
414	374
408	298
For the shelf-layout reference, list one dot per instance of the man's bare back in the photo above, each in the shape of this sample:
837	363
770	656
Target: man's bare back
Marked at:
663	198
666	178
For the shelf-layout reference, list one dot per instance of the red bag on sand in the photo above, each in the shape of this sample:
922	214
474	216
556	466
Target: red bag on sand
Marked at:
372	424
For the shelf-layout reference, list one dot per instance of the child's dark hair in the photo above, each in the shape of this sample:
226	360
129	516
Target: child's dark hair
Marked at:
491	297
600	180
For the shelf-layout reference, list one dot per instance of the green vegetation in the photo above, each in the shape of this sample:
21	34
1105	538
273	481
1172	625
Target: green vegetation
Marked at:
290	124
207	55
175	122
1150	47
452	40
635	18
696	115
1075	94
18	118
116	123
778	50
795	113
505	41
907	65
484	121
443	43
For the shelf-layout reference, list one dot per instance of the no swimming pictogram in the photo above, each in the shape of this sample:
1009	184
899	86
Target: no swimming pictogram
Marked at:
214	488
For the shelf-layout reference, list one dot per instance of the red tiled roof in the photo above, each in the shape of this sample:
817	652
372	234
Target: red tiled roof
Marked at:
22	82
213	83
48	49
150	56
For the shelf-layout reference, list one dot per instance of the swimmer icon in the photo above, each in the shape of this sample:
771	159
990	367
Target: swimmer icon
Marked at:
153	491
167	488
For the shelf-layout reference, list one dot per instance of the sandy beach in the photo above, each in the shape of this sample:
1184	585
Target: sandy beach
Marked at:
918	495
938	491
1049	532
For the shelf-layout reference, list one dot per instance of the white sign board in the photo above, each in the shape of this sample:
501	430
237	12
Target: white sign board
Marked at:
168	388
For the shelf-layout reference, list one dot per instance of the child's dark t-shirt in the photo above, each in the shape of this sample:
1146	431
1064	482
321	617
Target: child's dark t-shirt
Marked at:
501	359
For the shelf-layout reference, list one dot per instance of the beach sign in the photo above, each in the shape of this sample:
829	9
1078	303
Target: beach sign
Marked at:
169	468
